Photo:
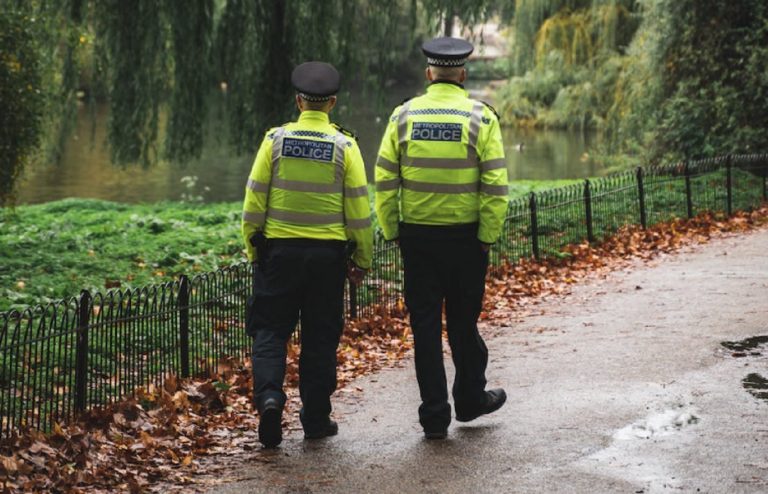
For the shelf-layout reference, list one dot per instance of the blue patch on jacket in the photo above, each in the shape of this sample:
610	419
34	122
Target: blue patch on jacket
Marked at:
308	149
435	131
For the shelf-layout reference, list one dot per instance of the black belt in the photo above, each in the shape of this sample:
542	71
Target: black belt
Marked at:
306	242
462	230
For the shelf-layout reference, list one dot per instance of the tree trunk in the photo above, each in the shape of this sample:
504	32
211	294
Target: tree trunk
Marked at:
448	23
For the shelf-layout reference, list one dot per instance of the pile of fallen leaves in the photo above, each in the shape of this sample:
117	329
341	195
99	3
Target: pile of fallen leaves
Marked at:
158	434
512	286
181	435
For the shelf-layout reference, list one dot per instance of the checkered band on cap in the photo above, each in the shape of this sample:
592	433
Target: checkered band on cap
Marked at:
442	62
310	97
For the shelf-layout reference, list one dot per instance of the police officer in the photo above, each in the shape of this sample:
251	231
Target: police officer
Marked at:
306	202
441	192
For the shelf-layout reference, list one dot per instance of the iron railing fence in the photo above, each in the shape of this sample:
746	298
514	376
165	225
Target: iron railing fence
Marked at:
63	358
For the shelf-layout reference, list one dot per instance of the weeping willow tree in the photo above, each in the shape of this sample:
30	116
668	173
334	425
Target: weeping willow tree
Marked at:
565	52
136	58
40	56
581	35
445	12
257	44
528	16
161	65
21	100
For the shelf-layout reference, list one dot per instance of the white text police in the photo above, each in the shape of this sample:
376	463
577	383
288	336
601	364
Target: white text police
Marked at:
435	131
307	149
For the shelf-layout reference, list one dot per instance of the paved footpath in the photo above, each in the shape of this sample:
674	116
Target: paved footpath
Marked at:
622	386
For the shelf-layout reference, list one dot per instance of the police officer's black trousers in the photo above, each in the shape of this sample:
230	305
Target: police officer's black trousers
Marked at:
303	279
445	264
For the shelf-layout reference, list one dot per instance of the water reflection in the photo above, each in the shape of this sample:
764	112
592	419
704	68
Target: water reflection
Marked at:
548	154
85	170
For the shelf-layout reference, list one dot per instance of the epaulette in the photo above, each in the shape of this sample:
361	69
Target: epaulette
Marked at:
394	116
271	132
346	132
492	109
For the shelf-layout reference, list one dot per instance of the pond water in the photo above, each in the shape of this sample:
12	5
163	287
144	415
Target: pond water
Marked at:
86	172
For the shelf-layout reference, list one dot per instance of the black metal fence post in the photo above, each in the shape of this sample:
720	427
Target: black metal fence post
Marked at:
764	170
588	210
641	196
688	195
352	300
184	324
729	184
81	351
765	184
534	226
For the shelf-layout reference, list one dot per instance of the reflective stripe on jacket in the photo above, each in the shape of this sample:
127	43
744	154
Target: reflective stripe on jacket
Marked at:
441	162
308	181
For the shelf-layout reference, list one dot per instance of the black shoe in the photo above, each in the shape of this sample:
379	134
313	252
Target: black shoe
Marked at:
436	434
270	429
494	399
329	430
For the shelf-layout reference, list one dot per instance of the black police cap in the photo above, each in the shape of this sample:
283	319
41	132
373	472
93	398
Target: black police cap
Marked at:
316	81
447	52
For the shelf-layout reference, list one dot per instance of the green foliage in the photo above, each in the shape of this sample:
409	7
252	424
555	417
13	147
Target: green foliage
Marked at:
569	54
21	96
257	44
525	99
688	82
529	15
471	11
190	35
162	63
715	79
135	48
482	70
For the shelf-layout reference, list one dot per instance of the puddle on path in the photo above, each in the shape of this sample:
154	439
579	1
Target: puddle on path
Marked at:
756	385
756	346
750	347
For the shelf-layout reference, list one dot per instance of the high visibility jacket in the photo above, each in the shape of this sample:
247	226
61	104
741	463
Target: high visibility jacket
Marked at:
308	181
441	162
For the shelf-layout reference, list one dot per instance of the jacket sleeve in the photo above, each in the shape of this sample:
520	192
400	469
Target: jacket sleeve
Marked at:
256	193
494	188
357	208
387	201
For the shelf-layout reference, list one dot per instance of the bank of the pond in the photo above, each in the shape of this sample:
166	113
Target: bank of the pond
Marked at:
53	250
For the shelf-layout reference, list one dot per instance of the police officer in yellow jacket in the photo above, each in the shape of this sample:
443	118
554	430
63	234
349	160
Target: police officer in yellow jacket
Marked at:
441	192
306	202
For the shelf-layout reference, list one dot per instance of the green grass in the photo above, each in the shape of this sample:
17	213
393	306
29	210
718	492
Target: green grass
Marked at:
54	250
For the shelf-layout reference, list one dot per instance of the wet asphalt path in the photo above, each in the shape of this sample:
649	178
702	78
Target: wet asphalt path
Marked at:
622	386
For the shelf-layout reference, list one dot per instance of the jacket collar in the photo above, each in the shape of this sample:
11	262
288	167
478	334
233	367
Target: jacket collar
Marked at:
314	116
446	88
